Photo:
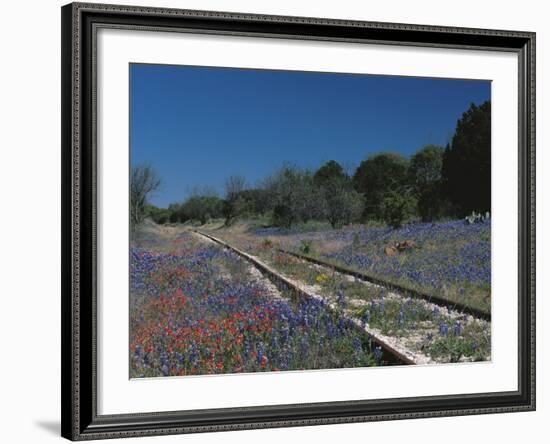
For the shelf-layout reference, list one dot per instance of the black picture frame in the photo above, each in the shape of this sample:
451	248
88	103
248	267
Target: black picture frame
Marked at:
80	420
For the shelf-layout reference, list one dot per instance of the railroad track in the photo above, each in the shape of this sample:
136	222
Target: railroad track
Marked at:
400	354
455	306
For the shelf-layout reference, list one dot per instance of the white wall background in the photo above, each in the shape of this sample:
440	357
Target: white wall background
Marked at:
30	219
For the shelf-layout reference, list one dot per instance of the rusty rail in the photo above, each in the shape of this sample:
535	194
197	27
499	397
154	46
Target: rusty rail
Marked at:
456	306
275	277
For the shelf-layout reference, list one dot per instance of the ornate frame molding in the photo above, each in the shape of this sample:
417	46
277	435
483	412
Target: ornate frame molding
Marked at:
79	395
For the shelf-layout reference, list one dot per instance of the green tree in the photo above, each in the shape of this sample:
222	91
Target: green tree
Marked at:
397	207
203	208
233	208
257	200
294	197
467	161
343	204
378	176
158	215
175	213
329	172
425	177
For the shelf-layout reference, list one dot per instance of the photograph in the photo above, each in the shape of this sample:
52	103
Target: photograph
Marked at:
300	220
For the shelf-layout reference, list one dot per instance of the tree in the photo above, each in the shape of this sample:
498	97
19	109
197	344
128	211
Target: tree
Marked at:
233	208
257	200
397	207
376	177
293	197
177	213
466	167
234	185
203	208
158	215
328	172
143	182
342	204
234	205
425	177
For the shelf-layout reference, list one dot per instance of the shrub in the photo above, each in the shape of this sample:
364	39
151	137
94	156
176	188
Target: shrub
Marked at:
306	246
342	205
397	208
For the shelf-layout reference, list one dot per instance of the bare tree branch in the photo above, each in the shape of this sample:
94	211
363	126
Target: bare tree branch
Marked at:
143	181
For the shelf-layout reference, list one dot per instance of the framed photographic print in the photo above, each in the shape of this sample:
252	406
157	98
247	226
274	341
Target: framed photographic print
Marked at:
279	221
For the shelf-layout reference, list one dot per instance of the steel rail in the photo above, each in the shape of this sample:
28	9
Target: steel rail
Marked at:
275	277
456	306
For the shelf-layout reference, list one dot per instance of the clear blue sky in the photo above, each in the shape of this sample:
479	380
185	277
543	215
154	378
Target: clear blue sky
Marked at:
196	125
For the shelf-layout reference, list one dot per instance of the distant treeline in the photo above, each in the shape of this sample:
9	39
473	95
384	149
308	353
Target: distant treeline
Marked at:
434	183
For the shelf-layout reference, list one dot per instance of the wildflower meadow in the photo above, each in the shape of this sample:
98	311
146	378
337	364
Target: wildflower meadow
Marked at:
200	312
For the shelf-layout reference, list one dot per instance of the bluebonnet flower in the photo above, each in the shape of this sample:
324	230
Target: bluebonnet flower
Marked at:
194	354
457	328
366	316
261	352
165	364
357	345
401	320
463	254
305	345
